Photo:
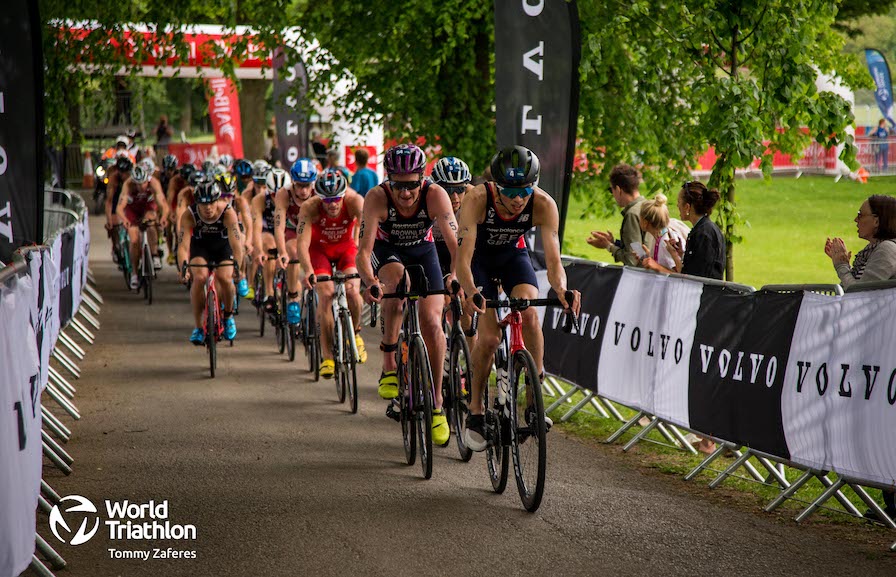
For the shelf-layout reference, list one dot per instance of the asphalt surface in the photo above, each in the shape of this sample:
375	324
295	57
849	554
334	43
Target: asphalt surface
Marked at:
279	479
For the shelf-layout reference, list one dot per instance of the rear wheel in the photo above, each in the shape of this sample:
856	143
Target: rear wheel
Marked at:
408	422
497	452
460	379
147	274
348	356
280	306
211	331
421	377
259	302
338	360
528	430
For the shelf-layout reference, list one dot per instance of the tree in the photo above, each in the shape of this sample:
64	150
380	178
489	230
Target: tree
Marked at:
739	76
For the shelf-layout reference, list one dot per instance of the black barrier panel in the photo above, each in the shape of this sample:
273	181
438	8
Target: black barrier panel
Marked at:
66	267
290	88
537	51
575	357
737	366
21	127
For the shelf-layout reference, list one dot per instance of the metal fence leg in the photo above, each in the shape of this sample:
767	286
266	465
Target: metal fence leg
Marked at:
56	460
71	345
55	559
680	438
555	384
872	504
66	362
40	568
577	407
641	434
661	427
89	318
89	303
610	408
847	504
774	472
56	447
44	505
66	405
625	427
599	407
49	493
562	399
55	430
48	416
731	469
720	450
60	382
547	387
790	491
814	505
82	330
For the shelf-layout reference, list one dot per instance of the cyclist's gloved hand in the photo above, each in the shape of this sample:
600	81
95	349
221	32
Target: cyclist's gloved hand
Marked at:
309	281
242	287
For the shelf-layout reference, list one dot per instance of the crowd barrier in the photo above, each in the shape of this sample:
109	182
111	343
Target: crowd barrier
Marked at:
47	307
795	376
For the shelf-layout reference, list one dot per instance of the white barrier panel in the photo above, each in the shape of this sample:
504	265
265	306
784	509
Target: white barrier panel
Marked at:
20	424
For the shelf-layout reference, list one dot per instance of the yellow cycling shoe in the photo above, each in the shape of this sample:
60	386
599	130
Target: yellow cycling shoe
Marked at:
440	431
388	385
251	294
171	259
362	351
327	368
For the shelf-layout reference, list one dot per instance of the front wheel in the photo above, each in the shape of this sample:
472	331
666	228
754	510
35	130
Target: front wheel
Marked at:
348	357
147	274
421	377
259	302
406	405
211	331
460	382
338	359
528	430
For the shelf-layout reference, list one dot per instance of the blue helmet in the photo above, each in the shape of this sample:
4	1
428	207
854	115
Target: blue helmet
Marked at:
242	168
303	170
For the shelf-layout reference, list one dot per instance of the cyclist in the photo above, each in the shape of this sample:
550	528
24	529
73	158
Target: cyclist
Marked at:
209	233
454	176
227	183
263	210
258	187
227	161
119	173
169	172
328	237
396	231
138	202
243	172
121	146
288	202
493	219
260	170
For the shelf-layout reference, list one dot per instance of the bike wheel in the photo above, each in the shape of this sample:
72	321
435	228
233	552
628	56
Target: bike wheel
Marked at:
259	302
211	332
460	379
147	275
339	359
421	378
350	361
280	327
527	436
406	406
497	452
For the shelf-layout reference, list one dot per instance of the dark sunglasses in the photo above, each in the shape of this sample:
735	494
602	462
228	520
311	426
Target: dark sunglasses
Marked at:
331	200
405	185
456	189
516	192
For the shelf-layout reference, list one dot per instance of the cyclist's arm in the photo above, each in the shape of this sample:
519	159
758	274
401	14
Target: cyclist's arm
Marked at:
249	192
234	235
110	192
472	212
162	204
355	204
257	220
547	218
123	201
303	231
374	212
171	193
240	203
281	203
439	204
184	237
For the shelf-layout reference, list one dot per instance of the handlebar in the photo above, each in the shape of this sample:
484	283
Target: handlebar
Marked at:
570	323
337	278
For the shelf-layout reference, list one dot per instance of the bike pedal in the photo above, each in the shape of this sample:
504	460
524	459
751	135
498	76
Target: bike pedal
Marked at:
392	413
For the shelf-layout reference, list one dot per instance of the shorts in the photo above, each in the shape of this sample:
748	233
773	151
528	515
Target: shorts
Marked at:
213	251
324	256
423	254
511	265
290	234
444	257
135	216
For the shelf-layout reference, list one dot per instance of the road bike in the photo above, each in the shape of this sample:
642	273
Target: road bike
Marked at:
309	332
146	270
414	405
123	252
514	409
285	332
212	321
345	351
458	373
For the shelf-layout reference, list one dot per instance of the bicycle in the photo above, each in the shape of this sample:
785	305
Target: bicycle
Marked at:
258	299
123	252
505	432
147	271
415	383
286	333
458	370
345	352
213	324
309	332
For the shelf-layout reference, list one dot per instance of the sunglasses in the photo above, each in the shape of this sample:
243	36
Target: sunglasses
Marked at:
331	199
456	189
516	192
405	185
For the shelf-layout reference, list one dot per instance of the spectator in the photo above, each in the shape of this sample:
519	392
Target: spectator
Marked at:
318	148
883	148
333	162
163	136
364	178
274	152
876	223
705	255
624	183
655	220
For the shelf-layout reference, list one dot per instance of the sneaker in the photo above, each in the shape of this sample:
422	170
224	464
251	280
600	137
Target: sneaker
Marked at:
242	287
197	337
157	262
135	282
293	313
327	368
229	328
474	433
171	259
440	430
362	351
530	417
250	294
388	385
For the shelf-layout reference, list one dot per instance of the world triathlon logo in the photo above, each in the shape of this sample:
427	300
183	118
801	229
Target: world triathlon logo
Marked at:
82	508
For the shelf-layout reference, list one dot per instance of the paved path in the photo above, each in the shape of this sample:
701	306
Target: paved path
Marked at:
280	480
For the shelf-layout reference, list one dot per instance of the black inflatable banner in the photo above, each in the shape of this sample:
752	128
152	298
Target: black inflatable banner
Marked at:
21	127
537	50
290	88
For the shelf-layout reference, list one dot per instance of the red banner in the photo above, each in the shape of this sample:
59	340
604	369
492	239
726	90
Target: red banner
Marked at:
196	154
224	110
350	157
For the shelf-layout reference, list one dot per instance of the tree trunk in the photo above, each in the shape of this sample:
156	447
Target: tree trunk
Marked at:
252	95
729	246
186	110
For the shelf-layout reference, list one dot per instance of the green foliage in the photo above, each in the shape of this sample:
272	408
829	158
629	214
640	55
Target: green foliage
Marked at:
423	67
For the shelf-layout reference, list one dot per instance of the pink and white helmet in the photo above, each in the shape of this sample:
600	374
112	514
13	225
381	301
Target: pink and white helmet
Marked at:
405	159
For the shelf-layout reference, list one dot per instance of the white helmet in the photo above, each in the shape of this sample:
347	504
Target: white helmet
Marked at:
148	165
226	161
277	179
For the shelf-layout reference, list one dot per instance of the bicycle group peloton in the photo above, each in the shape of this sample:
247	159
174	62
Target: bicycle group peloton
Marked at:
411	236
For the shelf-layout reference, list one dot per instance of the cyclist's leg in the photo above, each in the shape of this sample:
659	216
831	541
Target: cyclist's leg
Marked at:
293	271
197	289
517	272
224	285
487	339
390	275
325	293
270	264
152	232
134	240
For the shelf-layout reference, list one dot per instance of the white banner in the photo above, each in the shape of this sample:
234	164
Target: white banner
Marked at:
20	423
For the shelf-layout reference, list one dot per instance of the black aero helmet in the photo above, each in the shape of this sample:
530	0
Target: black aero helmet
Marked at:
515	166
186	171
124	164
169	162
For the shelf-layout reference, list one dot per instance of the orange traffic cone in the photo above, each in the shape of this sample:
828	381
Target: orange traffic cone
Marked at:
88	180
863	175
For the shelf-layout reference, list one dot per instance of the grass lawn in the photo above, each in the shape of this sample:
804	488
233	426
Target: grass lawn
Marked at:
789	219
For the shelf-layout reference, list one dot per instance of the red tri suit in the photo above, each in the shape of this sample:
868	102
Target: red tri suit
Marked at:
139	203
332	242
